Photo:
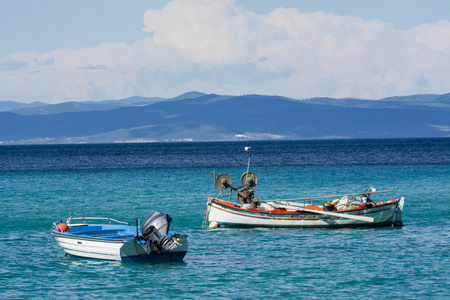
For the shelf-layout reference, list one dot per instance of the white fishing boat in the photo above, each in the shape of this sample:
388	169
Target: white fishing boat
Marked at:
348	210
109	239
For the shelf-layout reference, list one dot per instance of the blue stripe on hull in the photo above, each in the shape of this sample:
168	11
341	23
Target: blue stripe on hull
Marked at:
234	225
152	258
162	257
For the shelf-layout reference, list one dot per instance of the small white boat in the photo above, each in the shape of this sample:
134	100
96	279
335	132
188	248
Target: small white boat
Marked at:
116	240
358	211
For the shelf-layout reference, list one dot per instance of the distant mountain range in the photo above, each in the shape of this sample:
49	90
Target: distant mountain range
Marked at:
197	116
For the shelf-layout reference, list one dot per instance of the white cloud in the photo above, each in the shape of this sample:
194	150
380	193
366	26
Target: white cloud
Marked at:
215	46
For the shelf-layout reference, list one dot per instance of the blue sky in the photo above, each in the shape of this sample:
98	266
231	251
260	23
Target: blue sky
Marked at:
59	50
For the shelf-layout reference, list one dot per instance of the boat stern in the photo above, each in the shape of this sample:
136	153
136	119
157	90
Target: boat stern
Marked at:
398	213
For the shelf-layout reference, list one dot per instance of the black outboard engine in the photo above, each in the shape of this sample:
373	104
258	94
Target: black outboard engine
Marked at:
155	229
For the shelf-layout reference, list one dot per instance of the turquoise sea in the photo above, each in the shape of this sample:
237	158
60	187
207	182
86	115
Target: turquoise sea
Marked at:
41	184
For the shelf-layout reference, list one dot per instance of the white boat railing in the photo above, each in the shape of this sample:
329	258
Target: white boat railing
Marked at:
69	220
333	196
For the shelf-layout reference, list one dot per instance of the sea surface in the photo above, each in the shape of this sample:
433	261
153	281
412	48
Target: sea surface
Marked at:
42	184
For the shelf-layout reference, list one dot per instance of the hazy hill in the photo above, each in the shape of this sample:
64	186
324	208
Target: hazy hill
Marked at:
391	102
200	117
11	105
39	108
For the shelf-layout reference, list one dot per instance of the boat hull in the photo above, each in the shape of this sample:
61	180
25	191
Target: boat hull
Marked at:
227	214
118	247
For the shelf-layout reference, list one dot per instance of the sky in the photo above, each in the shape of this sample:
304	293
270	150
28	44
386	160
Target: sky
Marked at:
59	50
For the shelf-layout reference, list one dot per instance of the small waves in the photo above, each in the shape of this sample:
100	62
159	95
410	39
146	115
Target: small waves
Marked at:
226	154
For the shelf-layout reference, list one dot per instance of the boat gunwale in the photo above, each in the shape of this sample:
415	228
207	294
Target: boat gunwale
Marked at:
119	236
96	239
283	211
274	217
328	226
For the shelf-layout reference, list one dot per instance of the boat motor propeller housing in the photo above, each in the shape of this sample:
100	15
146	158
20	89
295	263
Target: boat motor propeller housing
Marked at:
155	229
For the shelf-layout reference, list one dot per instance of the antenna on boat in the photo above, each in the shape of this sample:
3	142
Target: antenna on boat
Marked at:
249	150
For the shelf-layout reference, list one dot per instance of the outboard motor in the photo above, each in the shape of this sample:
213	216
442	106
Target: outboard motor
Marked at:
155	229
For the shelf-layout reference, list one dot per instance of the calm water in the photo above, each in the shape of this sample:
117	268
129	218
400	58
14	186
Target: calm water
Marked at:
40	184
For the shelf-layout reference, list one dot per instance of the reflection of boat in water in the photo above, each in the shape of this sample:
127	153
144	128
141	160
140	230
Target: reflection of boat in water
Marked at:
358	211
116	240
